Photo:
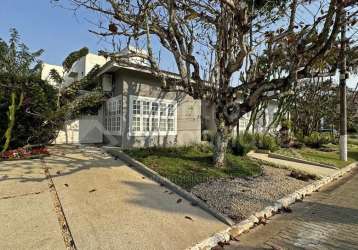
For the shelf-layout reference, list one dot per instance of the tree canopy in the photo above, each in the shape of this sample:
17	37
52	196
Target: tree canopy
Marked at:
231	53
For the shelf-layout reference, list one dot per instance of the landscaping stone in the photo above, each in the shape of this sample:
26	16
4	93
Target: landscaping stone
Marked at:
240	197
269	211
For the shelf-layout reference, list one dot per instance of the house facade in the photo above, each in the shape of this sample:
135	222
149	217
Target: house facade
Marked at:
141	114
138	112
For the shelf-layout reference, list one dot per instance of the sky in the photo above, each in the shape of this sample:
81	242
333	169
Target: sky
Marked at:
41	25
58	31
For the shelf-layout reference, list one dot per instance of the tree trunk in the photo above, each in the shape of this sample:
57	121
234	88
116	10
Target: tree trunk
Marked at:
220	144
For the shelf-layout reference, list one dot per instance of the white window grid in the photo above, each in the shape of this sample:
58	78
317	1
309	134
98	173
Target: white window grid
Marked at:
151	116
112	115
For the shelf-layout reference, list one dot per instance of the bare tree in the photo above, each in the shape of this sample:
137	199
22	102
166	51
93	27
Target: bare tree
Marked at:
232	53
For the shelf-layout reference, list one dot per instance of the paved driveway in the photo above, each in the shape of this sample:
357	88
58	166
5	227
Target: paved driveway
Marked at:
107	205
326	220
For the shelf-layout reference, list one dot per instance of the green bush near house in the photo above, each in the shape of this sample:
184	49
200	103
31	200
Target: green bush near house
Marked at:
316	139
242	144
245	142
266	142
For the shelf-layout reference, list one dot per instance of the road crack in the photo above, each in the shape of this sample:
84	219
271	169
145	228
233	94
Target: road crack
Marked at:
65	229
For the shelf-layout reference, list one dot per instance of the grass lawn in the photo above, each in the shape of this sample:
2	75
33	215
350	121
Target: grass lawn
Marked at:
319	156
191	165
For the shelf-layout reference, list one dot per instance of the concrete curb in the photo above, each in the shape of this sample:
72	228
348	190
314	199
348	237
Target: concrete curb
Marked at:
269	211
140	167
288	158
286	167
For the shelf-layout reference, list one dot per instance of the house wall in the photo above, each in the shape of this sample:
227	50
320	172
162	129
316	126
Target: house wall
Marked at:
117	89
208	111
140	84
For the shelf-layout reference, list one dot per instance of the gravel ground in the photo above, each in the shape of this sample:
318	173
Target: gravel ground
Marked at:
241	197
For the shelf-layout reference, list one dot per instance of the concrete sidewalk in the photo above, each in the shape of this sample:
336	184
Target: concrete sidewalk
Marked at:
311	169
107	206
27	216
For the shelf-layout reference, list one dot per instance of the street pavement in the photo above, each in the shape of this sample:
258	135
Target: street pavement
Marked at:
326	220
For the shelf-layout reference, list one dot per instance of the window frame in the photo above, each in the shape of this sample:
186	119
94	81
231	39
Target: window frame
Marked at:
150	116
117	116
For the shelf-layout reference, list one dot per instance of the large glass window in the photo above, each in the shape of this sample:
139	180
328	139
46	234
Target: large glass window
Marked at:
146	107
112	115
150	116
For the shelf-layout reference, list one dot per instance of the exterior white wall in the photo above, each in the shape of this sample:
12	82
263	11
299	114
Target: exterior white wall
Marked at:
208	112
87	129
70	134
91	61
90	129
45	74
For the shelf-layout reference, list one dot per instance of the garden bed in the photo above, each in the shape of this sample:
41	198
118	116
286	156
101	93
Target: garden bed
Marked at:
238	190
239	198
24	153
192	165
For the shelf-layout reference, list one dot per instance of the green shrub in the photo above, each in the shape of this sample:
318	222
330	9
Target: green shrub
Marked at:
286	124
316	139
266	142
242	144
245	142
208	135
352	129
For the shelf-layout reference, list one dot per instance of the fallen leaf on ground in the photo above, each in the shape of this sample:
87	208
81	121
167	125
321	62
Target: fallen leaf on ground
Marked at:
188	217
222	244
287	209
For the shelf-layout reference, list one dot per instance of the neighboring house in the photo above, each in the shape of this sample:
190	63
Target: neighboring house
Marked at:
138	112
260	125
83	130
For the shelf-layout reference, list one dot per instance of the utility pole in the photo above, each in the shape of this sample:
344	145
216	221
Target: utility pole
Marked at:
343	90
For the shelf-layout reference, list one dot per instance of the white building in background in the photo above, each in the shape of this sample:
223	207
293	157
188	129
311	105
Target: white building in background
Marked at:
85	129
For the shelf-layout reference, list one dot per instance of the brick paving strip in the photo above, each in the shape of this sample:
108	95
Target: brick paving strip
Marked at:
326	220
260	217
66	233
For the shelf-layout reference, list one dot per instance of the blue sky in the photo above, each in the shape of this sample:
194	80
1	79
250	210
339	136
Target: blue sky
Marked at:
56	30
43	26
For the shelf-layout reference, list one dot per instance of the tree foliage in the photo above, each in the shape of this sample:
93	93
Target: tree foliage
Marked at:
25	100
32	110
228	52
